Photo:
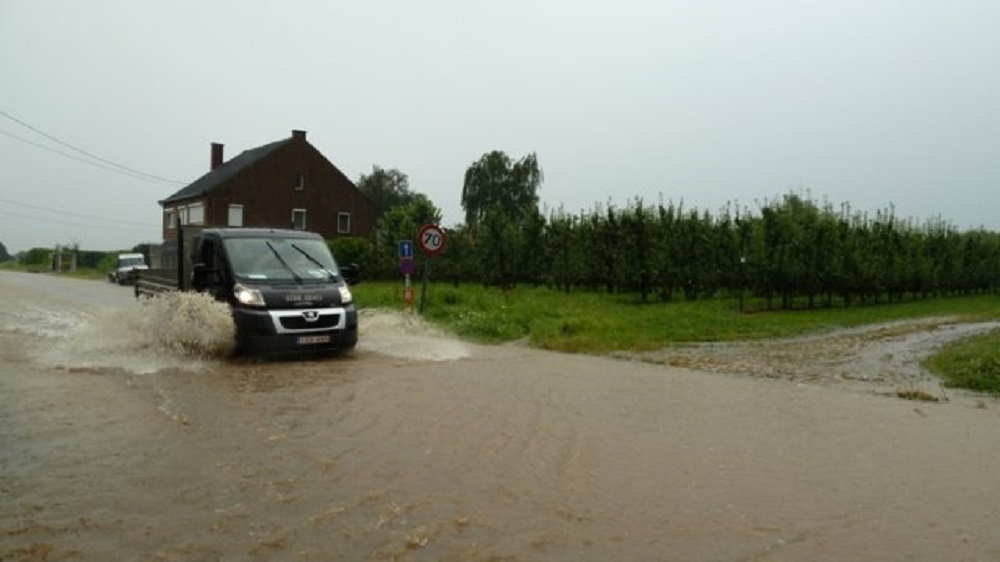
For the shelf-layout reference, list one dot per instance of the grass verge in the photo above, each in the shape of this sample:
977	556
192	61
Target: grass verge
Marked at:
81	272
973	363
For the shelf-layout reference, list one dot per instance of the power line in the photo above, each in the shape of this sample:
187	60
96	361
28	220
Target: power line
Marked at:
115	166
70	223
77	158
71	214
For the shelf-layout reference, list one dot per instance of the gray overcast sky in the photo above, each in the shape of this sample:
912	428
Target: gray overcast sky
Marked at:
871	102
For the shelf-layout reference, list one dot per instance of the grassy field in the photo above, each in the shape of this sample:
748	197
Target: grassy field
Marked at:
598	322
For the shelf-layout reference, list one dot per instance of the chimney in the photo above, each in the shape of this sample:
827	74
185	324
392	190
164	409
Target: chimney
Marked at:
298	135
216	155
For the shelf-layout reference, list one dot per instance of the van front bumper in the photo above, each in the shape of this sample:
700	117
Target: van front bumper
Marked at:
291	332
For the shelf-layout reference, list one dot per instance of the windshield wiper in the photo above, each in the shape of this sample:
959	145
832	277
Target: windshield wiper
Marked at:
314	260
283	262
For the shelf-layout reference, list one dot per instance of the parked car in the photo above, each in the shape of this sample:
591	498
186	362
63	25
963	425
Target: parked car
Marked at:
127	268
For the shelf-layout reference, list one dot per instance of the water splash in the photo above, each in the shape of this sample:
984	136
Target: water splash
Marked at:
186	331
41	323
406	336
189	323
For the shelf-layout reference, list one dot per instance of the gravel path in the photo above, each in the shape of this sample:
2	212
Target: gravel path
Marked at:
881	358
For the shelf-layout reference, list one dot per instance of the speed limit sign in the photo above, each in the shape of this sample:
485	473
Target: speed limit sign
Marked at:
431	239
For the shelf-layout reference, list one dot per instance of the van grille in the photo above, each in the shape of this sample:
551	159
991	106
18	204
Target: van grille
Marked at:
298	322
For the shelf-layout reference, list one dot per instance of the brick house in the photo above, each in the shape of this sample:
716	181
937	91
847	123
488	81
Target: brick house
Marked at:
283	184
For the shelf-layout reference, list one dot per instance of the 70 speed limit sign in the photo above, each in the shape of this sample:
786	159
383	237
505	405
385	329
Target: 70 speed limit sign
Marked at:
431	239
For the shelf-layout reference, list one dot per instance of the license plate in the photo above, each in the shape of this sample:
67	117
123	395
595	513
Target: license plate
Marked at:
312	340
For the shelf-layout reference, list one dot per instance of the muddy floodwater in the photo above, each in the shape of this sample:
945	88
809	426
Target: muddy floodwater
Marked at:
122	438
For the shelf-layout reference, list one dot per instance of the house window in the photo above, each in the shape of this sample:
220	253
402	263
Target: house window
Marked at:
196	213
170	218
235	215
182	215
300	182
298	219
343	223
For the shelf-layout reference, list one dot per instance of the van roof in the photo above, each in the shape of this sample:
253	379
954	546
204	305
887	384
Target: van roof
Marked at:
261	233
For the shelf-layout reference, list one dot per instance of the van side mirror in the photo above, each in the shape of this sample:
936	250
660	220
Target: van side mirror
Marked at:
202	277
351	273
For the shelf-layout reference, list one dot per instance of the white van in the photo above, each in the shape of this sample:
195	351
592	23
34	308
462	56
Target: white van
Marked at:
126	268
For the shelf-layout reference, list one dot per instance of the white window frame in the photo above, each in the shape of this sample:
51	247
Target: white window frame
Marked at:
300	182
341	216
196	213
235	212
170	216
304	223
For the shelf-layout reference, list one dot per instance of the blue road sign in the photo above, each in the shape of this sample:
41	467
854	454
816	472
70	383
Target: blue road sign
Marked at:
405	249
406	266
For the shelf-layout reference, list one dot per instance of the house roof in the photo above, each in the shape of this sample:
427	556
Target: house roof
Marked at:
222	174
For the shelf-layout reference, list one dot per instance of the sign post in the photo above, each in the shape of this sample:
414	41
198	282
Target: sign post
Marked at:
406	268
431	241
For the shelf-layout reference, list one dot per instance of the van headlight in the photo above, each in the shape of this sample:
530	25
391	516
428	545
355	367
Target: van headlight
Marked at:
247	296
345	295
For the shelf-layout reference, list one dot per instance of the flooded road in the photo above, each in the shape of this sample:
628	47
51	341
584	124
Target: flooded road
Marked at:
118	445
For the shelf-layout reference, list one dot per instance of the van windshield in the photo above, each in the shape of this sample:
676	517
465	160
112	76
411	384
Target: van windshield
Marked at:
281	259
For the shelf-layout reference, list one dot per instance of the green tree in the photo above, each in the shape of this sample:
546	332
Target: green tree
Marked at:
639	244
564	250
668	254
500	198
400	223
353	250
495	183
458	262
697	261
37	256
4	256
500	244
386	188
535	264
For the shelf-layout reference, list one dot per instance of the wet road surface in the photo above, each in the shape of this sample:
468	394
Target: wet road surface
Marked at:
420	447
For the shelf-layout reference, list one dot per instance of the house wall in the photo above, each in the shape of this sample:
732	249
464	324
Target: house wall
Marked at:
268	191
